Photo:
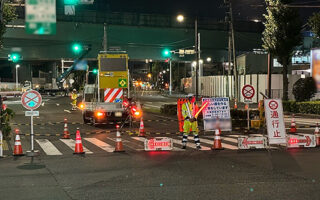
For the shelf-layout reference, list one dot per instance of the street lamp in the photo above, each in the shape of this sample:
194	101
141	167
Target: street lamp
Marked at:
180	18
17	66
209	59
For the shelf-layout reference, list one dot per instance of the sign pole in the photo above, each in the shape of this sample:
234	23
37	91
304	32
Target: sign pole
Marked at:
248	116
32	136
1	144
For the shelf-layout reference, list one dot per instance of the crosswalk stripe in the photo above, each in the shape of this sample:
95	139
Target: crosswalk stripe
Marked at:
100	144
72	143
142	140
48	147
224	145
191	145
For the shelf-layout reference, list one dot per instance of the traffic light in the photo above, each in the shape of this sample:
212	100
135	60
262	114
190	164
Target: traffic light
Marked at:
166	53
14	57
76	48
95	71
71	2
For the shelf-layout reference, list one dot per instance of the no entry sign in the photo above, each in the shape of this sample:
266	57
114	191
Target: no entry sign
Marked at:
31	99
248	91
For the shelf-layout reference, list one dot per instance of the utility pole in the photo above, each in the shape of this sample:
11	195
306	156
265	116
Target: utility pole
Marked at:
269	74
232	45
105	37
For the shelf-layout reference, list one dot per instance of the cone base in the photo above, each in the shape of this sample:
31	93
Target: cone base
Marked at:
74	153
212	148
118	151
18	154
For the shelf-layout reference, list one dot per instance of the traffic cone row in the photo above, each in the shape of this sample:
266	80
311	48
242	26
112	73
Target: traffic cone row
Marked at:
119	145
293	128
142	132
317	134
235	104
17	145
66	134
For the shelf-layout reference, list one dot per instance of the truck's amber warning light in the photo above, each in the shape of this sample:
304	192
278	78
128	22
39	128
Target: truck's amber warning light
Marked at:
99	114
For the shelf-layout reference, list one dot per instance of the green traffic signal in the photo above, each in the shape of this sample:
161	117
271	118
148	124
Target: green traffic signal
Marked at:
166	53
76	48
15	57
71	2
95	71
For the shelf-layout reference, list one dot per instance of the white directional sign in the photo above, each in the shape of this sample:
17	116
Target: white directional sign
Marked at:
32	113
252	142
40	17
275	121
304	140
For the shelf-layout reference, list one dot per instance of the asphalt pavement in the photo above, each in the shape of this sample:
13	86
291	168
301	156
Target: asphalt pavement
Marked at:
100	173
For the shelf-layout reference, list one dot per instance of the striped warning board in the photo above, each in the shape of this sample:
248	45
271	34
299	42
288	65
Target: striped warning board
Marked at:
112	95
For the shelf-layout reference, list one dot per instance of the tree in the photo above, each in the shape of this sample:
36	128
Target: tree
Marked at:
304	89
314	23
8	15
282	34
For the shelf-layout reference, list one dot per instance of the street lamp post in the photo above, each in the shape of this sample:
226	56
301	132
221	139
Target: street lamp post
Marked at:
180	18
170	86
17	66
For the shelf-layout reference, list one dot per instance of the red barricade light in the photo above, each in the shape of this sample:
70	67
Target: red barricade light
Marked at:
4	106
293	141
117	126
125	103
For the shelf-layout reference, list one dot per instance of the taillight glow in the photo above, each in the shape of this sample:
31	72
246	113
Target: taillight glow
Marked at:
137	113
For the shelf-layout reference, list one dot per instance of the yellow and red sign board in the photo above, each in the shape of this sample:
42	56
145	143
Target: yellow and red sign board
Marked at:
113	70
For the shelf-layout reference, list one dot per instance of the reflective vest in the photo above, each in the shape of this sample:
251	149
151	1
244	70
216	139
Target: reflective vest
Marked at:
193	108
74	96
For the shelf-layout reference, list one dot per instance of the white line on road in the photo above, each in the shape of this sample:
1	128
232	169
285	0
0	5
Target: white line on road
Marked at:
71	143
100	144
224	145
48	147
191	145
68	111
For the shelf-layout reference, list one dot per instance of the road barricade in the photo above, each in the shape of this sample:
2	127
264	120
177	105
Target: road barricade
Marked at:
302	140
158	144
246	142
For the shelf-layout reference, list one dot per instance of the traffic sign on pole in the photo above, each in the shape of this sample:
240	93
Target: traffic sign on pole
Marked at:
31	99
248	92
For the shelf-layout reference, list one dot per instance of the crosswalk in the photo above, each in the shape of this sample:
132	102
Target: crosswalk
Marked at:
56	147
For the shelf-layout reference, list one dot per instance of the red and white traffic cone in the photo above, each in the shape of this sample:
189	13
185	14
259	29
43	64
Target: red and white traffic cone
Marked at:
142	132
119	145
317	134
217	145
78	147
66	134
293	128
235	104
17	145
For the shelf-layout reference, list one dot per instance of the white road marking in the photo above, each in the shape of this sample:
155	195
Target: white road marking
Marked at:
143	139
48	147
191	145
68	111
224	145
57	104
71	143
100	144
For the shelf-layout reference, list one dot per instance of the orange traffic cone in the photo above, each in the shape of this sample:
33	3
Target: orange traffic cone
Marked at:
119	145
235	104
293	128
142	132
78	148
217	141
17	145
317	134
66	134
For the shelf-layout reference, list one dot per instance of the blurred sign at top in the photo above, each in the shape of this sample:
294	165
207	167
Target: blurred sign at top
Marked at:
41	17
315	66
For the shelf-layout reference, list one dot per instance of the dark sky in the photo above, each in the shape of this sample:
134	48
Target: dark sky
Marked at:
243	9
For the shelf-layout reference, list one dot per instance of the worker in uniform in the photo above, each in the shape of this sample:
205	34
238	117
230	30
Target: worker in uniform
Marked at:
189	110
74	97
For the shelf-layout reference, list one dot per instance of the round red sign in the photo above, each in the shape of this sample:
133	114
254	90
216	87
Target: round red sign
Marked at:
248	91
273	105
31	99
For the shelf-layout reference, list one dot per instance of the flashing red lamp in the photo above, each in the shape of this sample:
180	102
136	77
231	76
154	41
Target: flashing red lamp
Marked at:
135	112
293	141
117	126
